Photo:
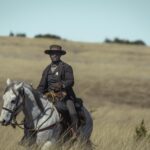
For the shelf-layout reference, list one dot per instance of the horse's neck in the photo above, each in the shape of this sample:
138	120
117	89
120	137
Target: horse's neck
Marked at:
31	109
30	102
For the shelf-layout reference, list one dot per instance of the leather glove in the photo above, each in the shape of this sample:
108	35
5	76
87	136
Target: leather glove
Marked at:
57	86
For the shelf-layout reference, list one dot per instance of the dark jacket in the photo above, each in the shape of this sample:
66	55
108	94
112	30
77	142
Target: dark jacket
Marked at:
63	74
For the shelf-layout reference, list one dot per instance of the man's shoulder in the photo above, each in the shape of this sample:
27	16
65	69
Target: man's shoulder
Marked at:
65	64
47	68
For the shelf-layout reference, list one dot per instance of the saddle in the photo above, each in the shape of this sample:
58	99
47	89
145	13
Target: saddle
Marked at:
58	96
55	96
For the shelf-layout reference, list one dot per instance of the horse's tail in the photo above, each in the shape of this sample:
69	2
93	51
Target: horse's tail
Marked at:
87	129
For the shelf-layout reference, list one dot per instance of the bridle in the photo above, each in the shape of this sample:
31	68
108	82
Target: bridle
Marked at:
15	112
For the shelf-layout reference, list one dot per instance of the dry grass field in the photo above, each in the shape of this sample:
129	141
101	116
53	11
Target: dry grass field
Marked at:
113	80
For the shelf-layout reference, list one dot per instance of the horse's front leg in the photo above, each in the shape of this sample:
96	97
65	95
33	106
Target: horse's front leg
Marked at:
49	137
43	137
46	145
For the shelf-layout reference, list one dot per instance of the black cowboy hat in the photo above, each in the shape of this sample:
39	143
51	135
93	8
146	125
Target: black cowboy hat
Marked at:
55	49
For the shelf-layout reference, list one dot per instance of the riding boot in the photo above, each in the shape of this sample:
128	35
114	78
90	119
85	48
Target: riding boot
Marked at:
74	121
73	116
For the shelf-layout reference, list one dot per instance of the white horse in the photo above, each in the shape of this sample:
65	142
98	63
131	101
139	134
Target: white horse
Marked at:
41	115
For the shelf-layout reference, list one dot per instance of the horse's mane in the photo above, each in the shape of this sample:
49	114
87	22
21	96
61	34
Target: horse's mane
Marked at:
35	93
37	96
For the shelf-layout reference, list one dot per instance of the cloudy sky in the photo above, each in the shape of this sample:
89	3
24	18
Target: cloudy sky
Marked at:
78	20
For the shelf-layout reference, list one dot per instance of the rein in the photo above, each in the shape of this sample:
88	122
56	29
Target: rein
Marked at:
36	129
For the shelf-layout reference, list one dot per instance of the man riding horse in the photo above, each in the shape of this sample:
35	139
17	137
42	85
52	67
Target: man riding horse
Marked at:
58	78
42	120
57	81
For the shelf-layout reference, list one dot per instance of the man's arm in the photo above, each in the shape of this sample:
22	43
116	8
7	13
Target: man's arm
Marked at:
42	87
69	77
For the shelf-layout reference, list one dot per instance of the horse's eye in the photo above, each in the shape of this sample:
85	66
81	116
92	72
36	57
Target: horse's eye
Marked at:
13	101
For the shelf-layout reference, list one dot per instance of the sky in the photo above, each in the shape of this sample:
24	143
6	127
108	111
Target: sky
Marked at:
77	20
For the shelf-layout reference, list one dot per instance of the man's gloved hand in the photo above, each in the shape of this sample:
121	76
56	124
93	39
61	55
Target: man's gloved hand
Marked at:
57	86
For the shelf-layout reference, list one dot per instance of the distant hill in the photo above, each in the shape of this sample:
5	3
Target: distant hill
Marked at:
112	79
103	72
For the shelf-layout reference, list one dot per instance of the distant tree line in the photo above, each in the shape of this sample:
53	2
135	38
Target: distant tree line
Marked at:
11	34
52	36
123	41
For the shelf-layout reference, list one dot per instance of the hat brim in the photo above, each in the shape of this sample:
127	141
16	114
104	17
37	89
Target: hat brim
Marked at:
62	52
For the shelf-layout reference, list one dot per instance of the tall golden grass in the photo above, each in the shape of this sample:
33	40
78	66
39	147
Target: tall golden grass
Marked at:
113	81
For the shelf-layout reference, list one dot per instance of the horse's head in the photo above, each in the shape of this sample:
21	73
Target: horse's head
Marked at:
12	101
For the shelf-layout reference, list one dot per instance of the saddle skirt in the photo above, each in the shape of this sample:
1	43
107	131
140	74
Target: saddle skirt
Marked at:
65	117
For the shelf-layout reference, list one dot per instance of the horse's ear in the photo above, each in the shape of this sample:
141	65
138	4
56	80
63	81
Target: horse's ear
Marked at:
8	82
18	86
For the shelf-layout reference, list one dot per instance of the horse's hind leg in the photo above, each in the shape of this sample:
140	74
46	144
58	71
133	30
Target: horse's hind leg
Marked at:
89	145
86	144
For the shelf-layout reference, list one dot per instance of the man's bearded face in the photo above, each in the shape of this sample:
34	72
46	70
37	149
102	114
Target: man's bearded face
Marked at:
55	57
